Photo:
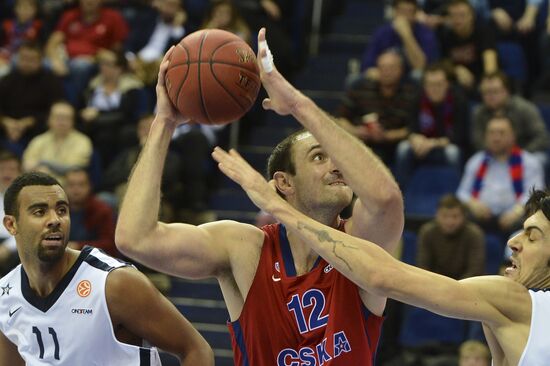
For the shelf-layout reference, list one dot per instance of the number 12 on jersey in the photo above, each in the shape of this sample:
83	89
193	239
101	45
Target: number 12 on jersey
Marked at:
316	320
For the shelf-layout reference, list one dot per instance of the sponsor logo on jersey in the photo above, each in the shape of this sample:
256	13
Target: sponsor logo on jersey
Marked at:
277	267
84	288
275	279
6	289
82	311
12	313
328	268
315	355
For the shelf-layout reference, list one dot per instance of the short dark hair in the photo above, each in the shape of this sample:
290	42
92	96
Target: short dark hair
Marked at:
22	181
442	66
6	155
32	45
397	2
451	201
538	200
501	76
460	2
280	159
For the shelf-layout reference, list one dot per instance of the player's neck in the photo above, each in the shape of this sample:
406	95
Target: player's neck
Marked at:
43	278
304	257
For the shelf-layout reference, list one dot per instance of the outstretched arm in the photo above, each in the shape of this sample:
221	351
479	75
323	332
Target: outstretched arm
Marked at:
490	299
179	249
135	305
378	213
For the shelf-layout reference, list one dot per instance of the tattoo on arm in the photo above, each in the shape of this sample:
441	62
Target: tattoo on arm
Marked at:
324	237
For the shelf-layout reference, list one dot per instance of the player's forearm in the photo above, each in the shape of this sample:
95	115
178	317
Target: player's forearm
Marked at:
351	156
140	207
353	257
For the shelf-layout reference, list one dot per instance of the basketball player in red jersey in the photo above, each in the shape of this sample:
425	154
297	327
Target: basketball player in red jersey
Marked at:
288	307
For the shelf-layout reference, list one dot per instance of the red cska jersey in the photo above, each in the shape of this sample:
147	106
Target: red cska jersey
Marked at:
310	320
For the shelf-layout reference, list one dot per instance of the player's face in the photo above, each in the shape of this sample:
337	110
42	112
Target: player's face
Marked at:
318	182
42	227
531	253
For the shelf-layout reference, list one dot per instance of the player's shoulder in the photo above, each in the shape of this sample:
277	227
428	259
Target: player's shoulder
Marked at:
98	259
235	233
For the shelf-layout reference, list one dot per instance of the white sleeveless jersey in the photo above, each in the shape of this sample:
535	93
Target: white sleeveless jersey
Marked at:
71	326
537	350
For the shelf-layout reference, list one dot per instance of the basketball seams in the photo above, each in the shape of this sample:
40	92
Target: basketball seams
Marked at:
224	91
203	105
184	79
224	87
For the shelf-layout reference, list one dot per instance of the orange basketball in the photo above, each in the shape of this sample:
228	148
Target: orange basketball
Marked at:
213	77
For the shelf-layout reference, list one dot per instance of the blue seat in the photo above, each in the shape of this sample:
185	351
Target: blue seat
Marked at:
408	254
427	185
423	328
512	60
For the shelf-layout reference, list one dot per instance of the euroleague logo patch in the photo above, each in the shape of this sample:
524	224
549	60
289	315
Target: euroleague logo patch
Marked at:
84	288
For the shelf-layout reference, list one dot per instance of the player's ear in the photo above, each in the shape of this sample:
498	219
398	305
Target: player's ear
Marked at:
283	183
10	224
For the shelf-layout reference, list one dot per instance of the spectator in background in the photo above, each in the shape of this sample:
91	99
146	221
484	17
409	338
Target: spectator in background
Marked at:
25	27
223	14
26	95
113	103
416	42
115	177
10	168
92	221
379	111
474	353
497	180
61	148
80	34
439	131
155	29
529	128
468	44
450	244
516	21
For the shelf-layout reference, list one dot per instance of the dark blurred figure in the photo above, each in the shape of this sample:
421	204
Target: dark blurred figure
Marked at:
439	129
415	42
114	100
468	44
80	34
61	148
23	27
497	180
529	127
517	21
10	168
153	30
223	14
26	95
92	221
380	111
450	244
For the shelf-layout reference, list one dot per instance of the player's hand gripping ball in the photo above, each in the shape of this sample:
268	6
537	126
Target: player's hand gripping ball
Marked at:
213	77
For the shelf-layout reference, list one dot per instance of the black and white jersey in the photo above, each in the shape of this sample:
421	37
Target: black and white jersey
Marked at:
72	325
537	350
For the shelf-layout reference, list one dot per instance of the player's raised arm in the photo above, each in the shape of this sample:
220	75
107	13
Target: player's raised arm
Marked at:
135	305
178	249
8	353
372	268
378	214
